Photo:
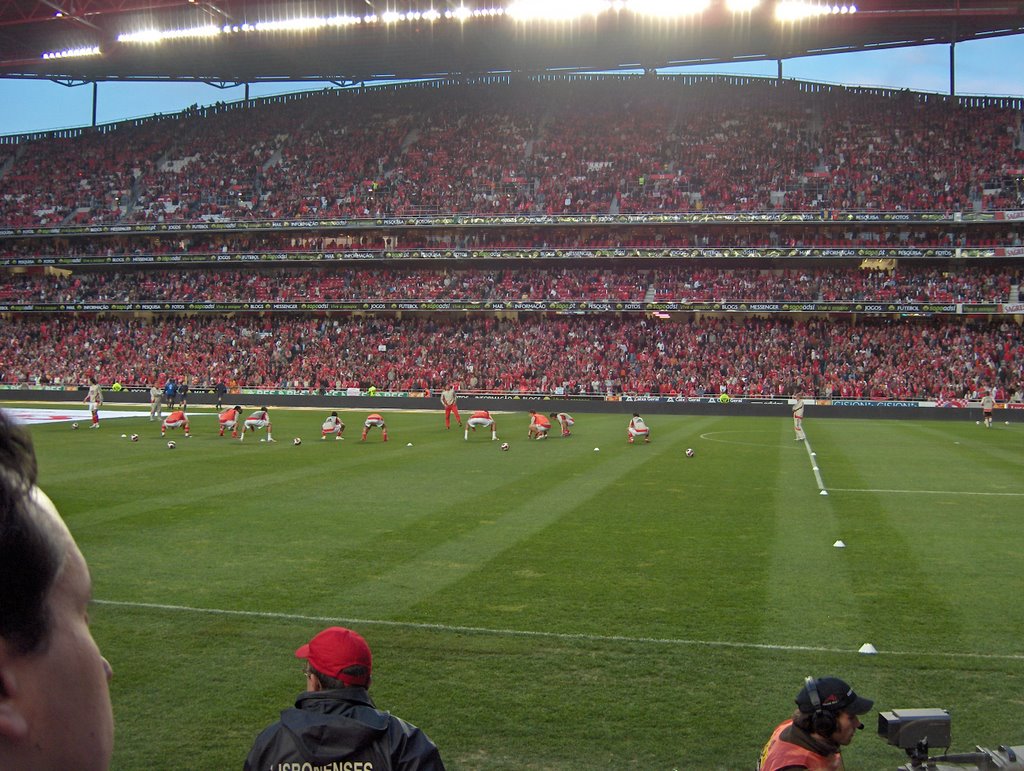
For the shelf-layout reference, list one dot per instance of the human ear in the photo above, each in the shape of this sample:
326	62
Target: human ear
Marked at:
13	724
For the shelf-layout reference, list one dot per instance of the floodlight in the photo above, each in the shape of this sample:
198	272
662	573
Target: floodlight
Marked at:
545	10
798	10
158	35
668	9
462	13
343	21
69	53
741	6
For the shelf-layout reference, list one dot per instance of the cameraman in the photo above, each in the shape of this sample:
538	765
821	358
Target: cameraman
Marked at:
825	720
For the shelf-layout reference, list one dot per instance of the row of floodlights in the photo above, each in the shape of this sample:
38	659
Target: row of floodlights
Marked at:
787	11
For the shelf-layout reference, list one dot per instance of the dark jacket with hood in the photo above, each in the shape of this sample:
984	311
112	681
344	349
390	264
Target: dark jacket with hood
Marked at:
341	730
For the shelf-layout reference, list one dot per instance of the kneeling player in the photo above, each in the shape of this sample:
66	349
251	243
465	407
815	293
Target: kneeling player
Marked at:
482	419
229	419
332	425
565	420
637	427
259	419
177	419
374	420
539	426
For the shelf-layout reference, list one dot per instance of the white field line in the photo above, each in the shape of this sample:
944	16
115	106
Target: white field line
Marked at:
546	635
813	458
923	492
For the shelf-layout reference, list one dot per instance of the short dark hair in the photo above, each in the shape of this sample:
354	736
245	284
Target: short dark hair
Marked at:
356	671
30	558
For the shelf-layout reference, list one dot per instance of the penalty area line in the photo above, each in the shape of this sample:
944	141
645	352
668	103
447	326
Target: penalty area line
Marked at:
447	628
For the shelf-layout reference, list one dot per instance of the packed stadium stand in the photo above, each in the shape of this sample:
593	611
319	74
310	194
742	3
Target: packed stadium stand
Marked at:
674	236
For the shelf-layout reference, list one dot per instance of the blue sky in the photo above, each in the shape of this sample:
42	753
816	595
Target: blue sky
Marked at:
994	66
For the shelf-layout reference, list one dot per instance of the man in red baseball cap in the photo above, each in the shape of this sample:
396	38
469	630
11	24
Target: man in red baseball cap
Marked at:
334	721
825	721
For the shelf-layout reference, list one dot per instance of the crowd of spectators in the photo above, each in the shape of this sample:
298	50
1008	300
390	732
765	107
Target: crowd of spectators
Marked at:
878	358
690	283
605	146
496	239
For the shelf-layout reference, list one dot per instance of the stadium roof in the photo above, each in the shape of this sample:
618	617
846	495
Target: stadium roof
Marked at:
366	40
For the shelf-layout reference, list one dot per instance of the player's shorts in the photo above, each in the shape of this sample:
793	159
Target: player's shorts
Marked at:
254	424
228	423
569	422
176	424
639	432
374	424
480	422
331	428
541	429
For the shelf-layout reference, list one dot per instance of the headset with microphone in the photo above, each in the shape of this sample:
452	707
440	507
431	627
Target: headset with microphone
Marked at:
823	721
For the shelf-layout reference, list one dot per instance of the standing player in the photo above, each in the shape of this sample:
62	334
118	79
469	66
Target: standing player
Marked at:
181	393
177	419
565	420
229	419
448	400
539	426
637	427
374	420
988	403
332	425
156	401
481	419
95	400
170	389
798	416
259	419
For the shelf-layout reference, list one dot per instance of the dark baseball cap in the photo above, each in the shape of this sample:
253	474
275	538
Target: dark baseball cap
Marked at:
834	695
334	650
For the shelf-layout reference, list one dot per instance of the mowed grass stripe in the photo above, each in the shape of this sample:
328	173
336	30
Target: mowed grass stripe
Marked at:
510	513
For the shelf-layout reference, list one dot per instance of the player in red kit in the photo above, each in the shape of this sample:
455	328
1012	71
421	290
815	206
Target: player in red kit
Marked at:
637	427
95	400
481	419
177	419
448	400
539	426
374	420
332	425
259	419
229	419
565	420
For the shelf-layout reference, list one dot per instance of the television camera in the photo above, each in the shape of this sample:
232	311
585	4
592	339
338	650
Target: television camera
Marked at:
915	730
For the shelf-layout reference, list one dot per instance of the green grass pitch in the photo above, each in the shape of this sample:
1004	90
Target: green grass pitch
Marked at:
553	607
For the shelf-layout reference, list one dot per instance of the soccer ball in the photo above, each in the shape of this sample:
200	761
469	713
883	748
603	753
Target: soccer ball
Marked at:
296	441
171	445
504	446
689	452
74	426
135	437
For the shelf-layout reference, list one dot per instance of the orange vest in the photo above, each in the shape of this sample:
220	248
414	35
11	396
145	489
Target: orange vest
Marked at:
174	417
782	754
228	415
482	414
374	416
541	420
